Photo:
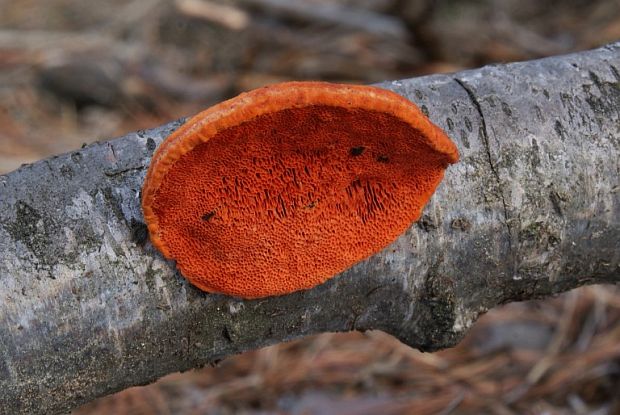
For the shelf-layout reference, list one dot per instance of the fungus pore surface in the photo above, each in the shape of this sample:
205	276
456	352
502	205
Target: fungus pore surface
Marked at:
283	187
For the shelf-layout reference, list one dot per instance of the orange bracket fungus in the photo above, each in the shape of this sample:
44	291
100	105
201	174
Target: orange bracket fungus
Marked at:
283	187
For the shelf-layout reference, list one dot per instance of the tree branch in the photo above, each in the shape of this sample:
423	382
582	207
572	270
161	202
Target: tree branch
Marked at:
88	307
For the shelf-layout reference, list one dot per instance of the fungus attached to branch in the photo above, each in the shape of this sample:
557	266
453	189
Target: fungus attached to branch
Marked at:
281	188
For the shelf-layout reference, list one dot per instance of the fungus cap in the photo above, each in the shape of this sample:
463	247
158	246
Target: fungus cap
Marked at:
279	189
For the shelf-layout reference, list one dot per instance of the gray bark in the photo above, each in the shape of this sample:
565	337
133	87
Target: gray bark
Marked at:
87	307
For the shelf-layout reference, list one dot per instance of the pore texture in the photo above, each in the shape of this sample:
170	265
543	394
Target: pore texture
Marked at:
288	199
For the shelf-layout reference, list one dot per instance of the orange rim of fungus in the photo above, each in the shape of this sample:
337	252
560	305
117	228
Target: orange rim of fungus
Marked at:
279	189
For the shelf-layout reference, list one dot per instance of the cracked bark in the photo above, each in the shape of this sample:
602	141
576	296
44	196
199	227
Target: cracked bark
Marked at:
485	141
88	307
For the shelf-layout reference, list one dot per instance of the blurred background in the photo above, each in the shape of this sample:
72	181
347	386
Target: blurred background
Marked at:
73	72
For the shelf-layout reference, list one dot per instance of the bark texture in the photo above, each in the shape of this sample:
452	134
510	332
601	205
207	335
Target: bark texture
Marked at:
88	307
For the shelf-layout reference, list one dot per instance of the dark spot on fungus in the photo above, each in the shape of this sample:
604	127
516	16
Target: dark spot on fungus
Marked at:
294	208
356	151
208	216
